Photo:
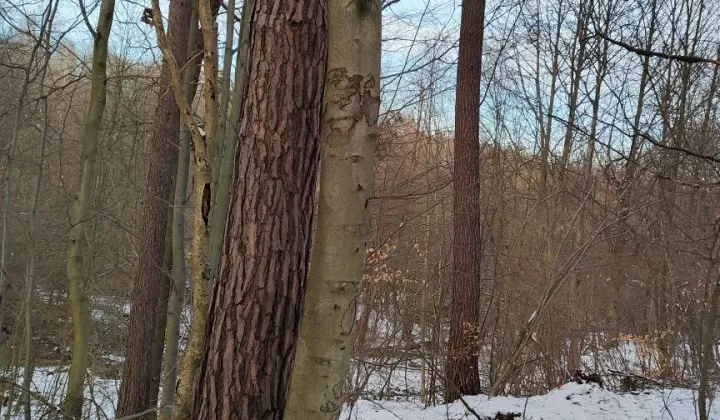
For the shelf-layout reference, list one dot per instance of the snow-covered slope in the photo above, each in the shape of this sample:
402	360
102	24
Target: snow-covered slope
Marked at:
569	402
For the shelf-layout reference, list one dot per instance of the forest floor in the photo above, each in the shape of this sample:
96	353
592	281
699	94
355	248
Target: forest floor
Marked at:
571	401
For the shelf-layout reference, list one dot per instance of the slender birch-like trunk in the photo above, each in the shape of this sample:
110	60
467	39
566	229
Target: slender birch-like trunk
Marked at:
230	141
77	276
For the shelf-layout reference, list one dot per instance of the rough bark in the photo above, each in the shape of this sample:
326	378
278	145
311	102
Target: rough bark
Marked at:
259	292
349	131
462	359
77	277
135	389
161	316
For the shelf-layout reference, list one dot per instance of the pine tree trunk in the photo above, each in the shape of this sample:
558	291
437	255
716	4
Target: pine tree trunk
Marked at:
77	277
352	98
259	293
161	317
461	371
135	389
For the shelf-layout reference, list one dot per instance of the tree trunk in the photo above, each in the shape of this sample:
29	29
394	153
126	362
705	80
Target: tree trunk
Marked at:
462	358
708	339
632	164
177	292
576	72
176	301
135	389
10	149
204	158
352	94
77	277
161	316
222	196
575	344
259	293
28	368
32	260
546	139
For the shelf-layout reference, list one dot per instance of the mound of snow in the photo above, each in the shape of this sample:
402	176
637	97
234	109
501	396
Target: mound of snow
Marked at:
572	401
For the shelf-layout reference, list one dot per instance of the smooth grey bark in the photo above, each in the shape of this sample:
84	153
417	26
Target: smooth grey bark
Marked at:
348	139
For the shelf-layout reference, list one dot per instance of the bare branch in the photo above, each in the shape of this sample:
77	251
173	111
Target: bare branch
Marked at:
692	59
86	20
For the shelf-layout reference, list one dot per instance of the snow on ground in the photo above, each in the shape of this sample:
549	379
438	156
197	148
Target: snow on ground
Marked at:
390	391
51	382
569	402
572	401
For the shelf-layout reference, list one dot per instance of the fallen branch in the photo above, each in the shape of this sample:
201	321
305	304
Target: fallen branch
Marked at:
473	412
635	375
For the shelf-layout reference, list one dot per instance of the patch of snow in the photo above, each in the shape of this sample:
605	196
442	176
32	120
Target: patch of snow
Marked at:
572	401
51	383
